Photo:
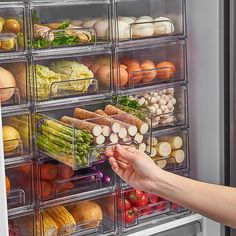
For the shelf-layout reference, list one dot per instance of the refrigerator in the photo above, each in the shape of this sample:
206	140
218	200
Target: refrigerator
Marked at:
85	75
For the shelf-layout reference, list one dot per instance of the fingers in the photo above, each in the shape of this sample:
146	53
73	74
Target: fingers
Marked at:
116	168
126	153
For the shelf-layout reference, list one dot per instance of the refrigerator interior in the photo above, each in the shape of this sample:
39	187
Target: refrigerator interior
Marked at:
205	78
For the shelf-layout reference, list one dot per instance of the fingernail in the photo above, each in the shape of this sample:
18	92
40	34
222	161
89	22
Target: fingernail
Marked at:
118	146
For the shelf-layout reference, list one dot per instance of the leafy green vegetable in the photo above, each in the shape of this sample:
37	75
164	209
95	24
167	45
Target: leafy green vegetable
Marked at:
41	43
64	25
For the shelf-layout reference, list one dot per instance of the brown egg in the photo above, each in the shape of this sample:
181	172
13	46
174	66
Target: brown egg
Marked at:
123	76
135	73
94	68
165	70
12	26
149	72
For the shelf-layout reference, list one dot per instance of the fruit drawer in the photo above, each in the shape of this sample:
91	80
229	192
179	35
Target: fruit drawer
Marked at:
136	208
72	75
151	65
21	224
19	185
66	24
90	217
55	180
14	81
165	106
79	135
12	27
170	149
16	136
137	19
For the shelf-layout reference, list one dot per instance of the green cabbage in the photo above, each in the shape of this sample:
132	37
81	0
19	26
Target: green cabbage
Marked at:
45	78
71	70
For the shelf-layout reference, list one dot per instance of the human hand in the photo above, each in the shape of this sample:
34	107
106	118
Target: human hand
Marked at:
135	167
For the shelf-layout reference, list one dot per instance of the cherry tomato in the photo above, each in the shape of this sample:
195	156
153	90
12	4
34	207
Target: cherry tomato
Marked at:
141	202
120	206
135	210
152	198
134	196
174	206
129	216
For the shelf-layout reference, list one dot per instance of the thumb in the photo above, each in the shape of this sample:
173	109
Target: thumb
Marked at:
128	154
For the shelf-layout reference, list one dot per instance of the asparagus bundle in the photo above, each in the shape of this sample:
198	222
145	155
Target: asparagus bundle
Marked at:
63	143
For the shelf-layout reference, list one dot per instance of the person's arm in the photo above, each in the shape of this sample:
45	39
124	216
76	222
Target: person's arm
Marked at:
138	170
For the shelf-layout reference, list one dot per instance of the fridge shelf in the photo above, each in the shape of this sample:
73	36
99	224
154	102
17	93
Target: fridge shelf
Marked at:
152	19
19	186
91	217
72	75
151	65
55	181
51	29
13	35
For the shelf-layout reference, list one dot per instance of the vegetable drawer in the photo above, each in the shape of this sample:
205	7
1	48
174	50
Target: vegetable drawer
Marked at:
72	75
14	81
60	24
90	217
170	149
151	65
137	208
55	180
19	185
12	27
165	106
16	136
79	135
21	224
137	19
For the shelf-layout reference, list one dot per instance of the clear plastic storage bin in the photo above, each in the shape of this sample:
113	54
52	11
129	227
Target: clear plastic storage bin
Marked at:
137	19
73	23
79	135
22	224
137	207
55	180
169	149
16	135
12	27
72	75
14	90
86	217
19	185
150	65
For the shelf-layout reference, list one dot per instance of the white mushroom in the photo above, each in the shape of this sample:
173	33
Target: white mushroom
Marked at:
173	100
101	28
146	18
123	30
128	20
140	30
163	26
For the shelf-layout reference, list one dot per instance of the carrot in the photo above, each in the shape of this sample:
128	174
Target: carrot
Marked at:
59	185
46	189
96	130
97	119
127	117
101	112
48	171
65	171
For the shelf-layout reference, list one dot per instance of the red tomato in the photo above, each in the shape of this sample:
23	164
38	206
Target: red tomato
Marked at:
147	211
141	202
129	216
120	206
174	206
135	210
135	196
152	198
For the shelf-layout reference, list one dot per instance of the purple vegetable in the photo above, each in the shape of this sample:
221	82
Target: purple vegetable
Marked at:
100	174
106	179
